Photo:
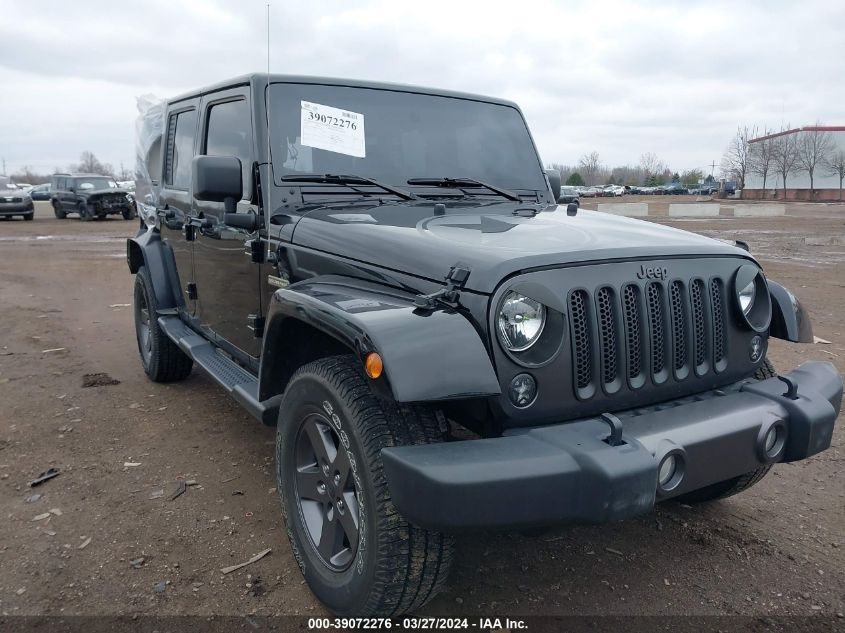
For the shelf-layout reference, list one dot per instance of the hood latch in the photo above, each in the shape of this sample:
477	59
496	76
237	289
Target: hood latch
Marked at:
449	294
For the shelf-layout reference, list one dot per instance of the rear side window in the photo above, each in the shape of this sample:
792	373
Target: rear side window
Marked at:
229	133
181	129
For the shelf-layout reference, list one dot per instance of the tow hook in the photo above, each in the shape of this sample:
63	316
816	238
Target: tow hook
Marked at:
615	437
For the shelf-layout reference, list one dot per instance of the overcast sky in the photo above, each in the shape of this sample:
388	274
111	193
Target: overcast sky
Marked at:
621	78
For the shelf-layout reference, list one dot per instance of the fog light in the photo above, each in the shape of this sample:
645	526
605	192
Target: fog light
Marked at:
667	470
523	390
771	442
771	438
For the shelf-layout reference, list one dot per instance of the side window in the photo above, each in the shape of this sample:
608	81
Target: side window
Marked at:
181	129
229	133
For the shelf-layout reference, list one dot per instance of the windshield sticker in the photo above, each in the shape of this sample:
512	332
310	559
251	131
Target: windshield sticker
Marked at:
332	129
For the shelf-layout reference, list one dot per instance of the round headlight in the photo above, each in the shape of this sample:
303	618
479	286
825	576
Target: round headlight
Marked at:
746	296
520	321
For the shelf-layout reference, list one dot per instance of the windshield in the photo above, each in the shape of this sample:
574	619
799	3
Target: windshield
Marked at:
95	183
395	136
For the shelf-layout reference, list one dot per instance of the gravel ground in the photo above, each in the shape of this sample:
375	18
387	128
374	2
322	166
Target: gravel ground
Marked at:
113	543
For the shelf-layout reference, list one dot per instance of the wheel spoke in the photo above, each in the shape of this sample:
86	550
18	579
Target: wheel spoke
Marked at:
321	442
329	535
342	468
349	518
308	482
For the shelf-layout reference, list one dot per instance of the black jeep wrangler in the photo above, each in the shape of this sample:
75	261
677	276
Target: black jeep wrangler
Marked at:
90	195
382	272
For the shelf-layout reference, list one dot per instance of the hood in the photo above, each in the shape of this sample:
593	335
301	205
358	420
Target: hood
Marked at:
490	240
88	193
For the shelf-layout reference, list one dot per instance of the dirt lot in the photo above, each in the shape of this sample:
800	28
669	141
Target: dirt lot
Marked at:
64	290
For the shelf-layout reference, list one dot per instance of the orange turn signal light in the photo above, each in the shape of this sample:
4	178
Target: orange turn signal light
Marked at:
373	365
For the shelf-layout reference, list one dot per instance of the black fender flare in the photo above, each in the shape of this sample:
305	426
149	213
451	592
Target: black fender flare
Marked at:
790	320
428	355
147	249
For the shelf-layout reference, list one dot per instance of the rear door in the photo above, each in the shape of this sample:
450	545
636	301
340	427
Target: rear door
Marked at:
227	279
176	197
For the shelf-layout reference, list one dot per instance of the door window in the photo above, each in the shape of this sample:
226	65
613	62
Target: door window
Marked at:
180	149
229	133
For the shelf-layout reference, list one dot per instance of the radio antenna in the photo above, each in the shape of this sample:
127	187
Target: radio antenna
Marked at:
269	185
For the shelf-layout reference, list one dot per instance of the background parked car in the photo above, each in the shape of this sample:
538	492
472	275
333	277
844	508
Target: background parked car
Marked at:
588	192
14	201
569	194
674	189
40	192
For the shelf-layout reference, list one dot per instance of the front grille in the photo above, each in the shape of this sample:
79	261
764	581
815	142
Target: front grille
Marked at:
11	200
662	330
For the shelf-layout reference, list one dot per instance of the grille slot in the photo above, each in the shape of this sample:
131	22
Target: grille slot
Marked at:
581	339
607	332
655	323
699	328
633	334
679	323
719	327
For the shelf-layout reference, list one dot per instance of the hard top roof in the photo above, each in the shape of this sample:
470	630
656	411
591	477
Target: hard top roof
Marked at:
259	80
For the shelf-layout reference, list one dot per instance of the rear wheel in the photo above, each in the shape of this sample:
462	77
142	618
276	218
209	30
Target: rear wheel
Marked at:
359	556
57	209
162	359
730	487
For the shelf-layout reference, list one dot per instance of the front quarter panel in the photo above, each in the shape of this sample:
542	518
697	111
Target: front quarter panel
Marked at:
428	355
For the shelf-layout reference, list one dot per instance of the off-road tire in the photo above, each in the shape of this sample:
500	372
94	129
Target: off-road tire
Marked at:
29	216
730	487
161	358
396	567
85	213
58	211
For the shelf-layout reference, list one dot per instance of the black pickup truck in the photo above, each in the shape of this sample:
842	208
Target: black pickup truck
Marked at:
382	272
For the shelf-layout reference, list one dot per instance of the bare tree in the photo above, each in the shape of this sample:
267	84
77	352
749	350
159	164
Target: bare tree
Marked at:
835	166
590	165
90	164
812	148
736	163
761	154
652	165
785	156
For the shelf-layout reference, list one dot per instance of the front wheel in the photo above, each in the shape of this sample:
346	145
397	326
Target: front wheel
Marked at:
58	211
29	216
128	213
359	556
85	214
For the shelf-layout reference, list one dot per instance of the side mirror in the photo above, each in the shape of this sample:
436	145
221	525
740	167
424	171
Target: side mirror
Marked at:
217	178
554	182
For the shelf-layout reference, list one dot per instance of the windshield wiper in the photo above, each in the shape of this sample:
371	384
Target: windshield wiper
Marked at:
346	179
459	183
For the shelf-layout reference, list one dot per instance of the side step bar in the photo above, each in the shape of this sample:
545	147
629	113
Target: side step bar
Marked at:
239	382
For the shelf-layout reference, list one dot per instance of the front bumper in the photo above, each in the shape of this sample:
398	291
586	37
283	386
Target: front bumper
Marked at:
569	472
16	209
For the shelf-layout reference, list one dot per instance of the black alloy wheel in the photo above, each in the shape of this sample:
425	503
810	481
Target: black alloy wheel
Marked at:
325	491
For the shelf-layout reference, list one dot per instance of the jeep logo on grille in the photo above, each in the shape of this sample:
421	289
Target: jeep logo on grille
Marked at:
653	272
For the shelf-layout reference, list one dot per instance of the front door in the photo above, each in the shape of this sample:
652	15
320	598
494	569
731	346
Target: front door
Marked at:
176	198
229	297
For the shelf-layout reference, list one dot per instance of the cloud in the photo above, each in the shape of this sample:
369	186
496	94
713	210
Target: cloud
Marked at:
618	77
